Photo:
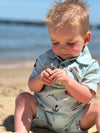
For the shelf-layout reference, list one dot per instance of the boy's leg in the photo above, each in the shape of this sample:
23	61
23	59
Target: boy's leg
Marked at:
91	116
25	110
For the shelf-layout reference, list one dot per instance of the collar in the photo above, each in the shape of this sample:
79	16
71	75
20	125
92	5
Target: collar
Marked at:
83	58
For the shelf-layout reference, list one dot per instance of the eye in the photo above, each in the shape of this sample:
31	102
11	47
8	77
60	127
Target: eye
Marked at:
70	43
56	43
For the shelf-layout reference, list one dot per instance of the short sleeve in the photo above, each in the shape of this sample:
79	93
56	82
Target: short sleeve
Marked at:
92	76
42	62
37	68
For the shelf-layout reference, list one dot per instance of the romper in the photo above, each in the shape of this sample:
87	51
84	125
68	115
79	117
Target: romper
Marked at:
56	108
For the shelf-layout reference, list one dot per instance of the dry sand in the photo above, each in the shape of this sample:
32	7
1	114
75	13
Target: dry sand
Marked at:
12	83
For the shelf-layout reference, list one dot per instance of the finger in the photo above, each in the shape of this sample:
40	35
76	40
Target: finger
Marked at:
46	79
56	79
55	74
47	82
49	71
45	74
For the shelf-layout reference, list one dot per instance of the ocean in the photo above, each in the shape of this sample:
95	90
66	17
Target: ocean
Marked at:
19	42
26	42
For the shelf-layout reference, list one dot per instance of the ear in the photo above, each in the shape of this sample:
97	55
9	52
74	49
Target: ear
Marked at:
87	38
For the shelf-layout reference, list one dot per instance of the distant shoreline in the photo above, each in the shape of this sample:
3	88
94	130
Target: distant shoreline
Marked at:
21	22
36	23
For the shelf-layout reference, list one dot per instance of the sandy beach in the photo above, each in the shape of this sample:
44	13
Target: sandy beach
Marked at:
13	82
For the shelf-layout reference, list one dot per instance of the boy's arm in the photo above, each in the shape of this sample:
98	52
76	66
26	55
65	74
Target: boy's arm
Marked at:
79	91
35	84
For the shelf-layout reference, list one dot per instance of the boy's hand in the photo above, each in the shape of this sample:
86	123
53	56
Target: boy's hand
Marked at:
59	75
45	76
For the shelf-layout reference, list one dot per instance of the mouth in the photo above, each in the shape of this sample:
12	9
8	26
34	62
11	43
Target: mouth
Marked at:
65	56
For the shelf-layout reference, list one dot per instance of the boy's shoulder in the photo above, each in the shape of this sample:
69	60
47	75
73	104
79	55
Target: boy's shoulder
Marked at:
49	54
85	57
86	61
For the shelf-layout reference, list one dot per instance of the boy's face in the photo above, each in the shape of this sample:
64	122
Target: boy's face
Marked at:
67	43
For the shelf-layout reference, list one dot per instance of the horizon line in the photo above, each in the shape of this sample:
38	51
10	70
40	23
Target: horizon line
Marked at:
36	23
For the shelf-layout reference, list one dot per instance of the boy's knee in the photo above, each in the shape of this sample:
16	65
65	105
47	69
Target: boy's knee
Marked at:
97	103
97	106
23	97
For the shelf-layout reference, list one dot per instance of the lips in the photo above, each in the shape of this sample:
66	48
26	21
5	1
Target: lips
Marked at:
65	56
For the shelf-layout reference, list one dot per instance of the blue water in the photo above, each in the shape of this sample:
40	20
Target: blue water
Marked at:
22	42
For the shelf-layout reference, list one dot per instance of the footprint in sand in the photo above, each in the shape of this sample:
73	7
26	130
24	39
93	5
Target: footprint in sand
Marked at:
10	91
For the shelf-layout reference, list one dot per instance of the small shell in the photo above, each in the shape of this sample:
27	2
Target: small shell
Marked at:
52	66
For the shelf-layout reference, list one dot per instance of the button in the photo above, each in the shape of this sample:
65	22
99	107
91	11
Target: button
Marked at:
71	61
63	65
58	66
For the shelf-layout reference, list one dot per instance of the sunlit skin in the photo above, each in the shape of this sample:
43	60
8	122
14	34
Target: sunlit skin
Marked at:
68	43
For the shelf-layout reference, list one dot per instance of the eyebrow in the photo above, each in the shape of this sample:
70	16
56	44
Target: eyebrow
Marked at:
70	40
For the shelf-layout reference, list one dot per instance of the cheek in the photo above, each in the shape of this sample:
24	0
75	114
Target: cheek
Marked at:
77	50
55	49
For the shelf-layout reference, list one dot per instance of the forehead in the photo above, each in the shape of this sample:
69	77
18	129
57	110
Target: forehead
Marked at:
64	33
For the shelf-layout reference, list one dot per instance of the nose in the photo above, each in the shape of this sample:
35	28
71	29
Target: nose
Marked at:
63	48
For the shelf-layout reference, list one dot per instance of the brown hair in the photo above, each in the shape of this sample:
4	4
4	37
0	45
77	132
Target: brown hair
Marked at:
69	12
